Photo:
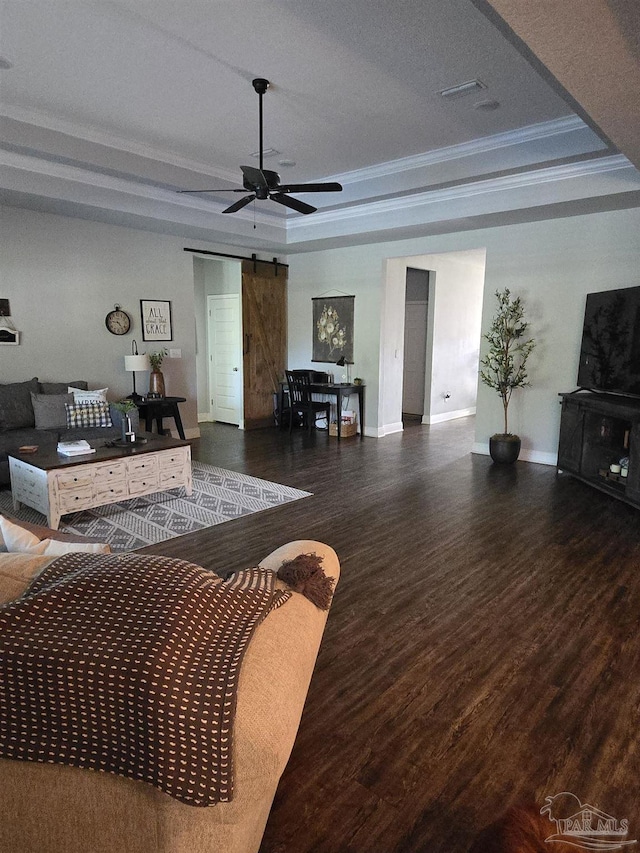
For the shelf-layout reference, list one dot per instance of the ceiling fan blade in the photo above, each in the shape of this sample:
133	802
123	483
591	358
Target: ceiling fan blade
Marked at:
238	205
293	203
254	178
311	188
243	190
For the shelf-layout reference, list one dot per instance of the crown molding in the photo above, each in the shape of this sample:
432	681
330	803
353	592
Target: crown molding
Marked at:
109	140
23	163
530	178
475	147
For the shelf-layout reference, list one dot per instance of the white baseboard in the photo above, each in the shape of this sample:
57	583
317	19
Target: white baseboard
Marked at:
380	432
525	455
390	429
205	417
449	416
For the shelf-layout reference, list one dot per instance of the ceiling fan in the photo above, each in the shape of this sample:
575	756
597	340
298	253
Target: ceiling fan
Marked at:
265	184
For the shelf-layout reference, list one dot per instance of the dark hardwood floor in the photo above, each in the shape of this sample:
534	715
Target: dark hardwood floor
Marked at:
483	645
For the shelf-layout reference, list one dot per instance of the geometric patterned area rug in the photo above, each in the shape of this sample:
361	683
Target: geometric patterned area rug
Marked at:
218	496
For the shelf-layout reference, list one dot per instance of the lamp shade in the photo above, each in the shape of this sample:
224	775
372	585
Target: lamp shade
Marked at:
136	362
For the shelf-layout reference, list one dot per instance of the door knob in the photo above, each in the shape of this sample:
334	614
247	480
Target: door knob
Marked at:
235	369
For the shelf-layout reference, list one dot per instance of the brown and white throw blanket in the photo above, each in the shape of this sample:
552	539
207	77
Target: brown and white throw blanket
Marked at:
129	664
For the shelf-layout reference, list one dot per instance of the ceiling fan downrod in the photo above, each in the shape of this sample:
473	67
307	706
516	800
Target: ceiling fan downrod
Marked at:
260	85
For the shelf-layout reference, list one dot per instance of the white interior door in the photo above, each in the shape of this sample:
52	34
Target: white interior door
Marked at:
415	349
225	358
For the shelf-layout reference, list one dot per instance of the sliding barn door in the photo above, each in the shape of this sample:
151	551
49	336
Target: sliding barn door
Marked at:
264	321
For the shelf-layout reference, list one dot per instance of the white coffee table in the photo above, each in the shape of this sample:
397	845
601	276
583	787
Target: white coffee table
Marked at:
55	485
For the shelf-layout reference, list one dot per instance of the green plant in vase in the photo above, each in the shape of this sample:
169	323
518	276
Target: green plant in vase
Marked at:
125	407
156	358
504	366
156	378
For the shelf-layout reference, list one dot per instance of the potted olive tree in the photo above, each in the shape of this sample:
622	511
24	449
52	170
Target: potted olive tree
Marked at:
504	366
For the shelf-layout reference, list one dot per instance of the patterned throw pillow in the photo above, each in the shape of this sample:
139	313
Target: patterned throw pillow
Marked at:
94	414
82	396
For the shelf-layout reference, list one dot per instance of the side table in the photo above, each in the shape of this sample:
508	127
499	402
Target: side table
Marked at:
157	409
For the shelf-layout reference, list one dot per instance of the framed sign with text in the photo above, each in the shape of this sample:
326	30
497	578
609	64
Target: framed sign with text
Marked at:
156	320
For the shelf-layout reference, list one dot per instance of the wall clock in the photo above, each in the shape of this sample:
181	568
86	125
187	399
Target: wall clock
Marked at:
118	322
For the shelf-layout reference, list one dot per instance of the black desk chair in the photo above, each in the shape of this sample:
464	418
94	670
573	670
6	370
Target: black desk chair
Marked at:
300	399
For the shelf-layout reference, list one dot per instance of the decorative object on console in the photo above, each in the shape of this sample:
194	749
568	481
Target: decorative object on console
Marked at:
342	362
125	407
133	363
504	366
156	378
156	320
118	322
333	328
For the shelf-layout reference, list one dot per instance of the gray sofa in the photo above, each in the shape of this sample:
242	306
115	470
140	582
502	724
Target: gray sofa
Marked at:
33	412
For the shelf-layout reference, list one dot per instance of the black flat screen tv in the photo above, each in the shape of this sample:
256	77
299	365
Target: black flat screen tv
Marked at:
610	351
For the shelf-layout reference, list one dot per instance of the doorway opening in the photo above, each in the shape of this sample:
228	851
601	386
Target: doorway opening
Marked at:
218	327
451	286
414	376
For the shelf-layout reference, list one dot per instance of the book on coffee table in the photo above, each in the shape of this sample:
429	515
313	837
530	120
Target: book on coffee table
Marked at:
75	448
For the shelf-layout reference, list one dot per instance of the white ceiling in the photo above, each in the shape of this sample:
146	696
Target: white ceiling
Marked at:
113	105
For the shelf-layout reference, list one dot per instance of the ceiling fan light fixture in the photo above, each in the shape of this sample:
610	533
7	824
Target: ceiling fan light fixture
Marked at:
470	87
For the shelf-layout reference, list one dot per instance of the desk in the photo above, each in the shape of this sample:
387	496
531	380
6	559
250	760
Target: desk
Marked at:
337	390
162	407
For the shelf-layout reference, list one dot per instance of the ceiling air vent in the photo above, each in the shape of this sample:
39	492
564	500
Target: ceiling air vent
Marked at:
487	106
268	152
471	87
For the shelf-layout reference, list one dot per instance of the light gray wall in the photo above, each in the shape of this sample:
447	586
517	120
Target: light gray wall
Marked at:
551	264
456	289
63	275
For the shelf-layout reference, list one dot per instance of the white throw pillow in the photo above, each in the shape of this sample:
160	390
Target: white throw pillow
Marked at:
19	540
80	396
56	547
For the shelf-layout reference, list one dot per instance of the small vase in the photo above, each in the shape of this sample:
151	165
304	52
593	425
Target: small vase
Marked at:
156	383
128	434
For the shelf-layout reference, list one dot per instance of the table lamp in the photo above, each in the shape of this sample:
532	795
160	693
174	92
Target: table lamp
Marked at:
133	363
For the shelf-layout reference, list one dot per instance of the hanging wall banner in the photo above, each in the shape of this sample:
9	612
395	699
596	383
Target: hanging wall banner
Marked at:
333	328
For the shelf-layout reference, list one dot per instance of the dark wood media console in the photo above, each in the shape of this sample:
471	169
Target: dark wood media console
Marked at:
596	431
